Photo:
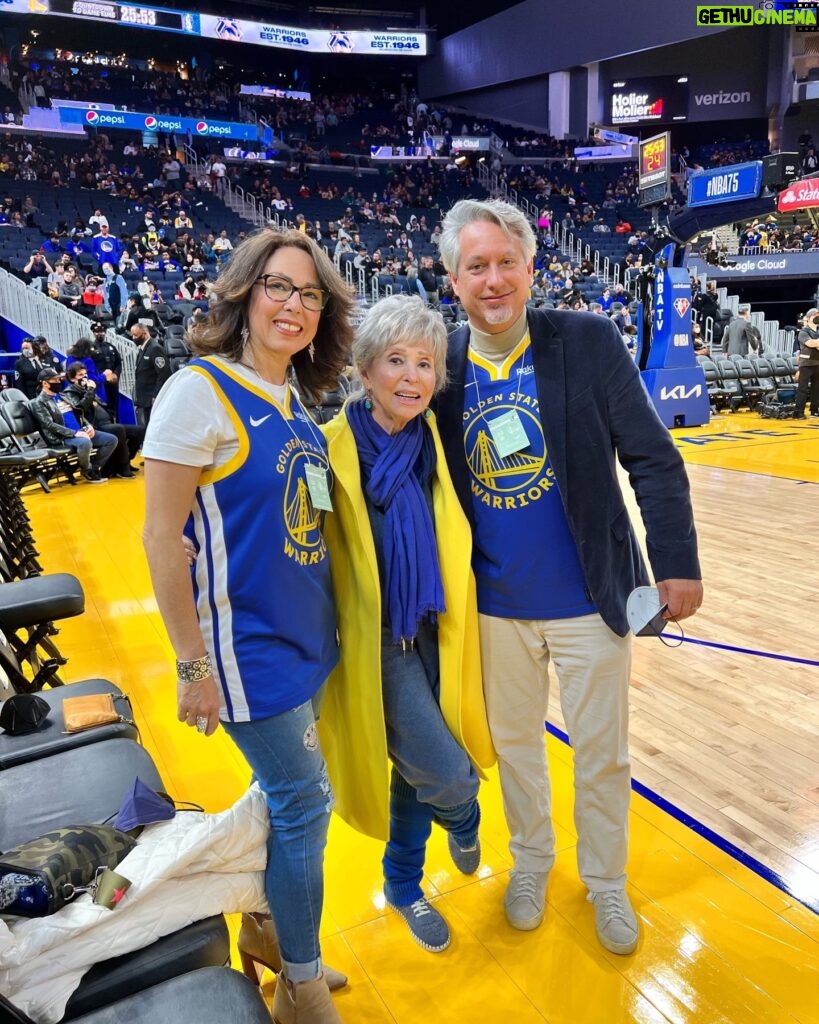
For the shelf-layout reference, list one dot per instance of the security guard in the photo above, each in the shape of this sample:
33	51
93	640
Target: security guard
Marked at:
152	370
108	362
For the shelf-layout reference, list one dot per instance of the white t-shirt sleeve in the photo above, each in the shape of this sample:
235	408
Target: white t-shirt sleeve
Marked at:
189	424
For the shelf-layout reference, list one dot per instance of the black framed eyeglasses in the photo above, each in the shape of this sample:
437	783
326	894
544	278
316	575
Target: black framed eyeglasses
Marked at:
279	289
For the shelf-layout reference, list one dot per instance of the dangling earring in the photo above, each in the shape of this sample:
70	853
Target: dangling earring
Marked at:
311	351
368	402
245	336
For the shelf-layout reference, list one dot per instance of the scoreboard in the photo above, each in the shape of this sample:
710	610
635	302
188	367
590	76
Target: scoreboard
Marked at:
654	180
127	14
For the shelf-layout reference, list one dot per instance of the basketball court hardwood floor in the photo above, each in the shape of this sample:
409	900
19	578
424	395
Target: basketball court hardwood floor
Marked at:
724	864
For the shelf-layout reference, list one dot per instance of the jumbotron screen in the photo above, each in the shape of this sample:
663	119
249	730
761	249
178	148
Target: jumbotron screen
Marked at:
648	100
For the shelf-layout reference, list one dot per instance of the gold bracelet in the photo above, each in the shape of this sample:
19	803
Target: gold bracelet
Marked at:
193	671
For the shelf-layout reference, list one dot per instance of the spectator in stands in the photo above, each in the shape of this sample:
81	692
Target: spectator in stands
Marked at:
196	317
47	356
106	248
151	372
741	336
50	422
92	297
182	222
538	609
428	281
82	395
808	387
617	316
707	302
30	211
127	262
38	268
82	351
114	290
218	172
70	292
222	247
172	169
137	313
186	290
97	219
27	368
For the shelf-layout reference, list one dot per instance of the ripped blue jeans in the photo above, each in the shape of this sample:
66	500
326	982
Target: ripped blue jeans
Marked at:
287	762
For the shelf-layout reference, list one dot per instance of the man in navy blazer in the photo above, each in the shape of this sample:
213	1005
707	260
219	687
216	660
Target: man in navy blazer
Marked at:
539	405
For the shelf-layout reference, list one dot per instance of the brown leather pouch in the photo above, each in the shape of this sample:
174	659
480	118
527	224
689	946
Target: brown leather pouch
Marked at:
86	712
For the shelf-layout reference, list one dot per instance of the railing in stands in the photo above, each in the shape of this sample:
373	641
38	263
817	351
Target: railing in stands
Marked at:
35	313
191	160
244	203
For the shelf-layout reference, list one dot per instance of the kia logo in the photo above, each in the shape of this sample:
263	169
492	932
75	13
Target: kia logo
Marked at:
150	122
91	116
202	127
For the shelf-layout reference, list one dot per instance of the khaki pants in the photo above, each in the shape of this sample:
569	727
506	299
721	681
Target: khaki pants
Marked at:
593	665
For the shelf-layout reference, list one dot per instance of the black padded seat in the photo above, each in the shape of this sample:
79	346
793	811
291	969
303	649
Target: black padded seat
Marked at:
86	785
24	603
50	738
203	944
212	995
82	786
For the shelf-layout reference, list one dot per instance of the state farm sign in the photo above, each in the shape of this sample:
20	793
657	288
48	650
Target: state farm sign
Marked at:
799	196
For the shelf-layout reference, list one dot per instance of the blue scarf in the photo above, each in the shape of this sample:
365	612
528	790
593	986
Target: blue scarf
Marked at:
395	467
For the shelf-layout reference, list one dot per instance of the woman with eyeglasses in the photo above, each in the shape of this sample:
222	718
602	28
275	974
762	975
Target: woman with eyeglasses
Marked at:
234	460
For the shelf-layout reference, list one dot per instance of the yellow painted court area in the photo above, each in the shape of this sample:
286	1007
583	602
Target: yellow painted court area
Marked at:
720	944
746	442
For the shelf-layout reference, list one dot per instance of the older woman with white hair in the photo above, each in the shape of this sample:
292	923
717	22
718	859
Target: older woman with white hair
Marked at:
408	686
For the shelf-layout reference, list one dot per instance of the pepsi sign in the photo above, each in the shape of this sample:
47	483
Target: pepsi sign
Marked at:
139	122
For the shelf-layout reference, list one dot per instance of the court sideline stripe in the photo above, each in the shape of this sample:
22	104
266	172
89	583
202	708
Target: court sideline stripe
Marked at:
744	650
758	868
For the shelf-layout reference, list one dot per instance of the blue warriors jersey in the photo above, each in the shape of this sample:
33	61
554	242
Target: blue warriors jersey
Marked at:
262	583
525	558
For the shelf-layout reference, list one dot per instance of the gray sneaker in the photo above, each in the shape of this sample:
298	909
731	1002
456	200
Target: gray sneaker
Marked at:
428	928
525	899
616	925
466	860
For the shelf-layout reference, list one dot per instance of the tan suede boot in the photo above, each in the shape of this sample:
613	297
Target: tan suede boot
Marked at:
307	1002
259	944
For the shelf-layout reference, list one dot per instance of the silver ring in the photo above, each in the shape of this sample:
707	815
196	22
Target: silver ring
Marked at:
201	724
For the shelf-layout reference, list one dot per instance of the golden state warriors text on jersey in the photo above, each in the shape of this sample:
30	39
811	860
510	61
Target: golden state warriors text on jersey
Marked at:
526	563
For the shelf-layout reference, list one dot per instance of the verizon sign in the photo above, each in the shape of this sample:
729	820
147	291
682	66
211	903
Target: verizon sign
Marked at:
799	196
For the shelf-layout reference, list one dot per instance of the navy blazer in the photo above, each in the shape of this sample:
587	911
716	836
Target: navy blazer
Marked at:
592	405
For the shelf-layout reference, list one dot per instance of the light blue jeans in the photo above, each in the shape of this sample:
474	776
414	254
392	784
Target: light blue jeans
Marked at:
287	762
